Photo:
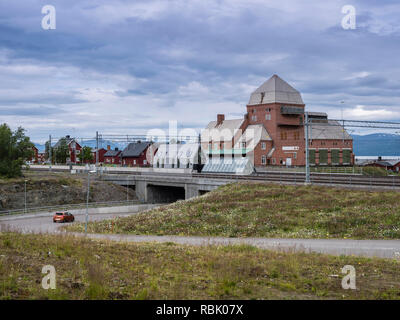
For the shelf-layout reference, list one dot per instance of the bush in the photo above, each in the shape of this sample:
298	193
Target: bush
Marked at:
375	171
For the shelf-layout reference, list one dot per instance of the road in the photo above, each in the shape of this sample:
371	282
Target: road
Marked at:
370	248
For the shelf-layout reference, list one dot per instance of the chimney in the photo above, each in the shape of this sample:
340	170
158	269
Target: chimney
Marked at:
67	137
220	119
108	147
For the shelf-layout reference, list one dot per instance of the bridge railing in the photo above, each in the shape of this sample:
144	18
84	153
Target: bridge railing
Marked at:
66	207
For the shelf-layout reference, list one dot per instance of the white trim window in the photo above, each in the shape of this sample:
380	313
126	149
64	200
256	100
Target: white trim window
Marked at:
267	116
263	160
263	146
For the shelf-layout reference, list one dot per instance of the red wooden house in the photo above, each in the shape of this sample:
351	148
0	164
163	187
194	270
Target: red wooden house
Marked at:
35	157
74	149
101	153
112	156
134	154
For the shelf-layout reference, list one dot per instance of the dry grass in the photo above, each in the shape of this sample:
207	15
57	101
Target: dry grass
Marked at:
88	269
270	210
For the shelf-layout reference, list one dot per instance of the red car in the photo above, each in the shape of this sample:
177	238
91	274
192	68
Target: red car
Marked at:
63	216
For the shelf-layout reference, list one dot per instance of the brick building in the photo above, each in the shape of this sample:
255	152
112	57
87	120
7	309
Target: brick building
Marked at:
272	131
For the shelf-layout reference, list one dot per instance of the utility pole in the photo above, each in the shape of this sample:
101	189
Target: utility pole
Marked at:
51	160
97	149
307	151
87	201
342	102
25	195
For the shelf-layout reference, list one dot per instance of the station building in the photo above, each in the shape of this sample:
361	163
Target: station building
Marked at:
272	131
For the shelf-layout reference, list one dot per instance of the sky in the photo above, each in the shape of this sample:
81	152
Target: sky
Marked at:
125	67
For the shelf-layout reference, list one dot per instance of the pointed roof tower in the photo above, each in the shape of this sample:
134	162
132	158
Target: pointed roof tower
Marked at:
275	90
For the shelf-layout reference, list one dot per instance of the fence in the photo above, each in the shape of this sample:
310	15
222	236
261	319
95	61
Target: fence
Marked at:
66	207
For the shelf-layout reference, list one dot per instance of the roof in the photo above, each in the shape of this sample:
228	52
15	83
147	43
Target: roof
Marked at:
134	149
317	114
187	151
68	140
260	133
388	163
330	130
228	165
228	129
112	153
274	90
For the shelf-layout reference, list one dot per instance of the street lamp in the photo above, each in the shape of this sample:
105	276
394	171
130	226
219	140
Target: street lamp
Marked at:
87	200
127	189
25	194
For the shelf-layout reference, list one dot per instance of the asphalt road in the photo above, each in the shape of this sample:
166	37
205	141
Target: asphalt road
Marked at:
45	224
371	248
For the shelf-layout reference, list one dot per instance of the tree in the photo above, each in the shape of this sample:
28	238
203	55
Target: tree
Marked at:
15	149
86	155
61	153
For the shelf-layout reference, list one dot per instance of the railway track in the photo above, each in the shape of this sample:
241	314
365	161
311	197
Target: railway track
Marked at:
327	179
283	177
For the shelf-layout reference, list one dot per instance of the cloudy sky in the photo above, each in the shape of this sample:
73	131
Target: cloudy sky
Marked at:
129	66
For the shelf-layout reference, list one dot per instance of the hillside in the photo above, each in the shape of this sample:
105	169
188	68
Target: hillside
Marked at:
271	211
45	189
377	144
88	269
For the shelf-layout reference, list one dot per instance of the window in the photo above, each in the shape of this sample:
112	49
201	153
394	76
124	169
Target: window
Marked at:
243	145
144	162
296	135
273	161
263	160
254	117
134	161
268	109
267	116
254	110
294	155
263	146
283	135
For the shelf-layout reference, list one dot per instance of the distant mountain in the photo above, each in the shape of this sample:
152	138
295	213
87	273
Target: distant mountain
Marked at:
376	144
90	143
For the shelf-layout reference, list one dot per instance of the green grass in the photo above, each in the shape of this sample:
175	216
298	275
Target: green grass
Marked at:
269	210
89	269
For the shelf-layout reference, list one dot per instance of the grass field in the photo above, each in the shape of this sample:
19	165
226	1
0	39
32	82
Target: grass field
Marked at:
88	269
269	210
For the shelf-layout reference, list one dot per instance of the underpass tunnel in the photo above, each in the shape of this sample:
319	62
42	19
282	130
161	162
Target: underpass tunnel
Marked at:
164	194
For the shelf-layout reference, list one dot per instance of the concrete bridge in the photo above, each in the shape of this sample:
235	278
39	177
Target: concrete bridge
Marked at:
162	188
